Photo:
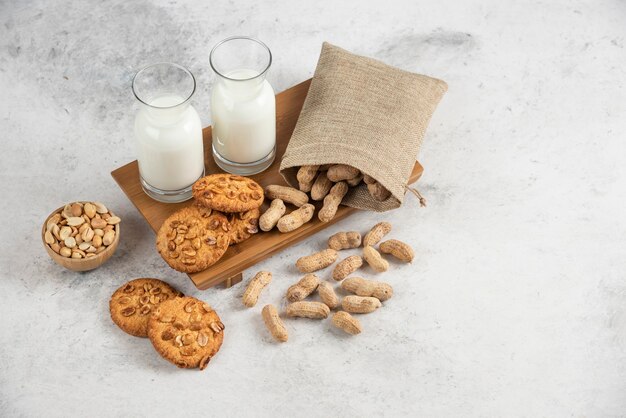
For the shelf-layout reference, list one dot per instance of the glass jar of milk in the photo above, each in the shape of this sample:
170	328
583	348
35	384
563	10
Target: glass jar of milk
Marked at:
168	132
243	106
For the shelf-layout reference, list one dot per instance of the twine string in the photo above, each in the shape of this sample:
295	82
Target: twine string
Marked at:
417	194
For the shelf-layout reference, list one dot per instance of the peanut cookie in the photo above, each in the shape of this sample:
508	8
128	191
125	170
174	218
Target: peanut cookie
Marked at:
131	304
193	238
228	193
243	225
186	332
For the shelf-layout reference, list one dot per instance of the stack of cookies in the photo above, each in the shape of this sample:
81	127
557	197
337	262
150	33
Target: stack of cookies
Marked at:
225	212
183	330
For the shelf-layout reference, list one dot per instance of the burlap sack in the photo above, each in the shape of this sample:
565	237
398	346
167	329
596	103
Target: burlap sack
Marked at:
367	114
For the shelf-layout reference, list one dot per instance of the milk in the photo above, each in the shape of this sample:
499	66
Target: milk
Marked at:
169	143
244	116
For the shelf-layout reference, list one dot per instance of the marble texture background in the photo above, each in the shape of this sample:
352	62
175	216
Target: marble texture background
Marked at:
515	304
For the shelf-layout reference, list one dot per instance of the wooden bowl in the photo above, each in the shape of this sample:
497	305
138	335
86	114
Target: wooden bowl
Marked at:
80	264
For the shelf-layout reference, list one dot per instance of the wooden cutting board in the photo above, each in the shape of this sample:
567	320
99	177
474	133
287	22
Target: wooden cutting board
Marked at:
262	245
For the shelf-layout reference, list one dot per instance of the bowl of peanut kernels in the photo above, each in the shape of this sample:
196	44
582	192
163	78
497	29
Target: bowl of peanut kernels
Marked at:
81	236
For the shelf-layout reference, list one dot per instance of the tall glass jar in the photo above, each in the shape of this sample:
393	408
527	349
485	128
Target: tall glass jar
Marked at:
168	132
243	106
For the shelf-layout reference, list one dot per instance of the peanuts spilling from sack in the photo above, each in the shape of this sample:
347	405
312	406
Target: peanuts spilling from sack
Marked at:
328	183
363	295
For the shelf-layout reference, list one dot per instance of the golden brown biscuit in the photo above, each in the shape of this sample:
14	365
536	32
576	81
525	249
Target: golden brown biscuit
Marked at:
186	332
243	225
132	304
228	193
193	238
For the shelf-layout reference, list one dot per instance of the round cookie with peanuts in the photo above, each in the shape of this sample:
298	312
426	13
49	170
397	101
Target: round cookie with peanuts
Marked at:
186	332
228	193
243	225
193	238
131	305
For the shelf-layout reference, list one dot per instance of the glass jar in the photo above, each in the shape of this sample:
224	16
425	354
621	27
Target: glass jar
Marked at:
168	132
243	106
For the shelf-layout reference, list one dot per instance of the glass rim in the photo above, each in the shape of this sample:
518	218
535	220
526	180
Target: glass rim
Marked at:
172	64
249	38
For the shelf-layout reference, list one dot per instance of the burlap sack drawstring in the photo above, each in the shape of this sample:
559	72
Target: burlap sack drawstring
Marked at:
417	194
367	114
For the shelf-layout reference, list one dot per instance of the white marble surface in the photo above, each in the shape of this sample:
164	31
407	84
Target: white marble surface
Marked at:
515	304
